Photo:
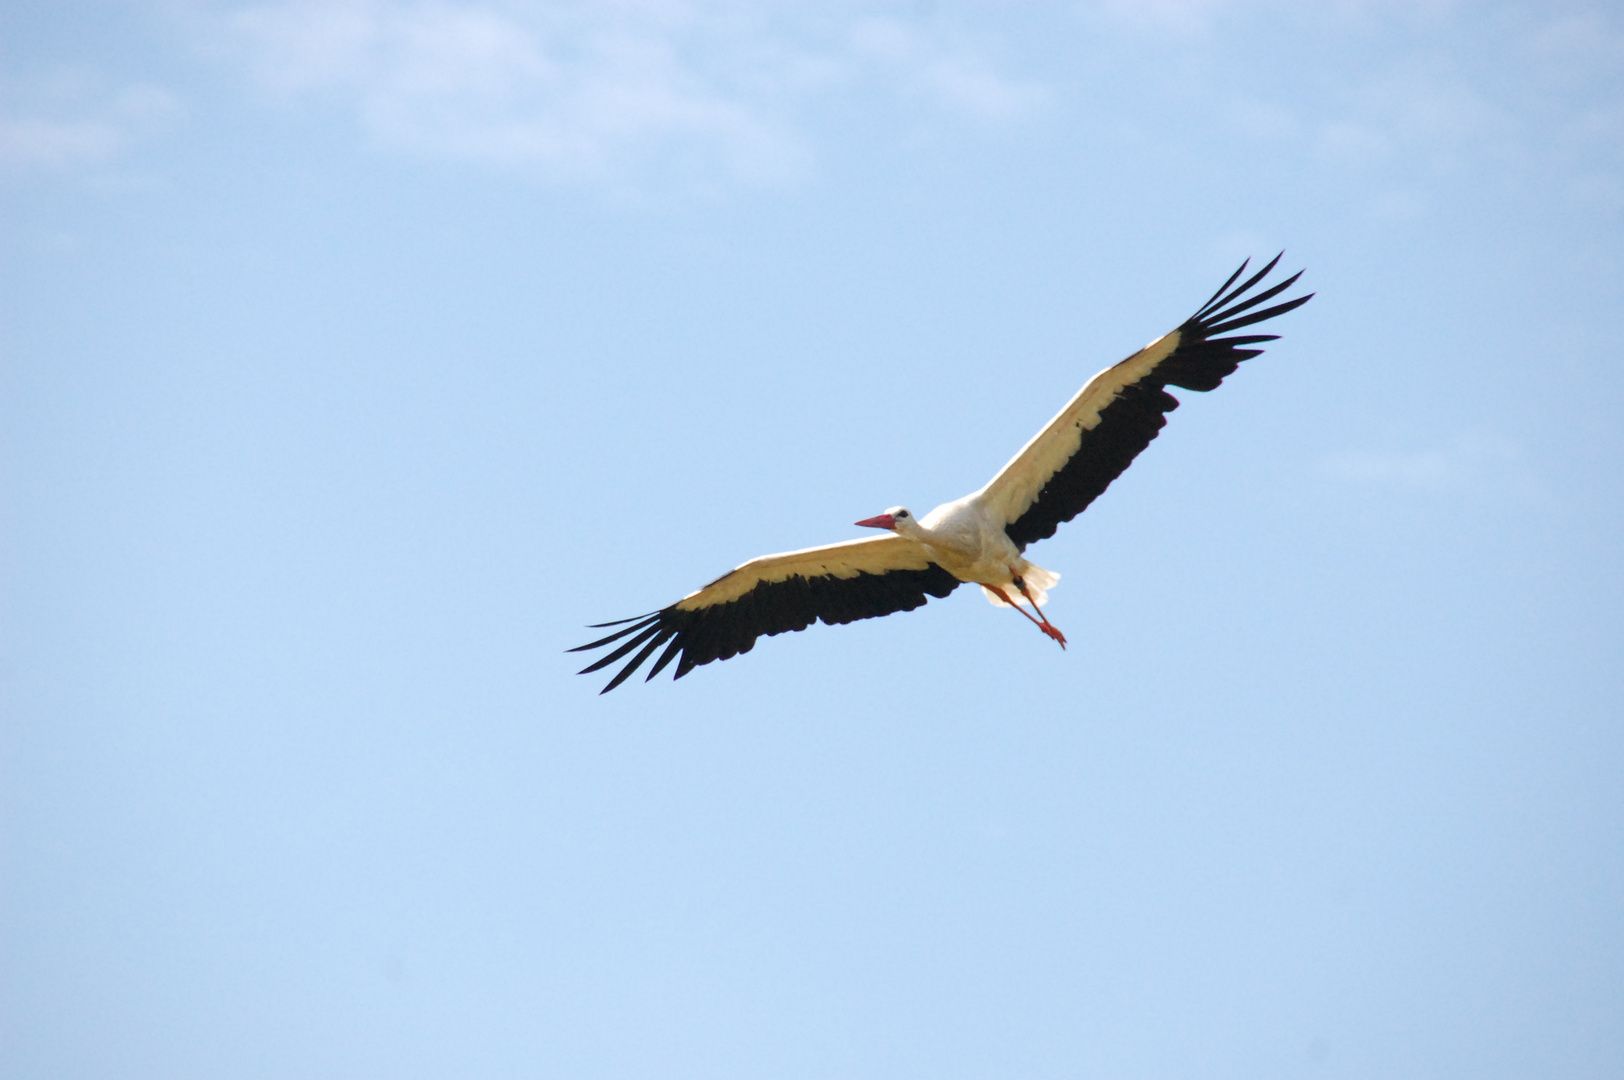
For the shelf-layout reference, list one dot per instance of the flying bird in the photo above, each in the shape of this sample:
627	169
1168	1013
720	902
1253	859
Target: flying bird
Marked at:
979	538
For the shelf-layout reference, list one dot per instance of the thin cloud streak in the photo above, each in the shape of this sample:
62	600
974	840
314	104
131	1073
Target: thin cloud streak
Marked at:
603	91
71	121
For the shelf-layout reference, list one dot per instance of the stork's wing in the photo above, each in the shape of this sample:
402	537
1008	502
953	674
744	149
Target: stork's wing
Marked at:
1101	430
838	583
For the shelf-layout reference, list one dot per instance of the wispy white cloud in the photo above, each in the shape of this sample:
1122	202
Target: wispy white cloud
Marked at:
577	91
1577	46
1418	111
71	120
955	77
1413	91
1580	56
1177	16
601	89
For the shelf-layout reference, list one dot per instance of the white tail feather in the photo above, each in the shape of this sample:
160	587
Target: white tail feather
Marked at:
1038	582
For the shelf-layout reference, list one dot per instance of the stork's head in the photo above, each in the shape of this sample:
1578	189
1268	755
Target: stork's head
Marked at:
897	519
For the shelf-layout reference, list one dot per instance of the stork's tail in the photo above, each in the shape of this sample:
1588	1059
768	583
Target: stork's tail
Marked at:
1038	583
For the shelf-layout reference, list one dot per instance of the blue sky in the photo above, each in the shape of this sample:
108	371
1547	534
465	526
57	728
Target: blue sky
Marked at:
355	355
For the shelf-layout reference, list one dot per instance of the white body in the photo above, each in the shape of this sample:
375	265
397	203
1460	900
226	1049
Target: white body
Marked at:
969	542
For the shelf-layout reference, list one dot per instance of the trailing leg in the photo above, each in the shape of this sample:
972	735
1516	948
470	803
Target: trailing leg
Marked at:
1041	623
1046	626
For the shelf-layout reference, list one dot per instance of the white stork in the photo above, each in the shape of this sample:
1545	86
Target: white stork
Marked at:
978	538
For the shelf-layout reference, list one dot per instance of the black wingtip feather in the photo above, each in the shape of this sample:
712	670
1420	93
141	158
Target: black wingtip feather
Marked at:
1257	317
671	650
1253	301
1239	270
625	648
619	622
636	661
648	621
1216	304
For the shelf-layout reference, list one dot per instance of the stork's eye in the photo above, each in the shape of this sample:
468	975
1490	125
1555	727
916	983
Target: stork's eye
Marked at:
902	513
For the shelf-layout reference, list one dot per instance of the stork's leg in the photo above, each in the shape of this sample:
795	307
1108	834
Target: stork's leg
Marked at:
1045	625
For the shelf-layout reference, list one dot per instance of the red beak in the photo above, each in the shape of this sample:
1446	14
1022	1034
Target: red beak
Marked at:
884	521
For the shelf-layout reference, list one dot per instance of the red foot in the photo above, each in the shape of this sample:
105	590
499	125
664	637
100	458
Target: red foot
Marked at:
1040	620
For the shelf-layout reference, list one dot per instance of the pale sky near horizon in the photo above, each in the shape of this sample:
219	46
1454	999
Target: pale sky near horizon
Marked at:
354	355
